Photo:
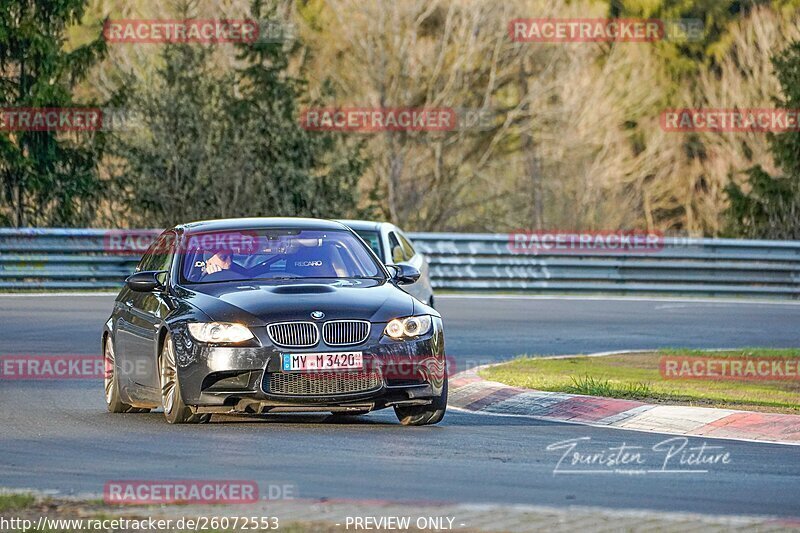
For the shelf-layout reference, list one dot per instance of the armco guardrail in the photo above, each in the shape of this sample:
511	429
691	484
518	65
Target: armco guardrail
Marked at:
79	259
682	266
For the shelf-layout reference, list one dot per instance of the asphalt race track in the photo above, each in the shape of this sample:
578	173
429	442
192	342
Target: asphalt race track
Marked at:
57	435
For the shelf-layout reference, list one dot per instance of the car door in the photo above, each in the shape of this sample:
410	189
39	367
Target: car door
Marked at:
136	334
127	332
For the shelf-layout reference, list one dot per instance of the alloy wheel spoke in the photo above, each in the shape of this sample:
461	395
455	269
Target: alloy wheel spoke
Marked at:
109	371
168	382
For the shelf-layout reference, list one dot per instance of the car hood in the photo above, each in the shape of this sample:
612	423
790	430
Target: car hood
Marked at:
261	303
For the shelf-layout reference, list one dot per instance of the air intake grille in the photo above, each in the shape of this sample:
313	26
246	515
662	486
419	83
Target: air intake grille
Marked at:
294	334
345	332
323	383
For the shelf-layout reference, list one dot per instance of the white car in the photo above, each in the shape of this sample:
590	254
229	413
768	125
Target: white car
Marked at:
392	247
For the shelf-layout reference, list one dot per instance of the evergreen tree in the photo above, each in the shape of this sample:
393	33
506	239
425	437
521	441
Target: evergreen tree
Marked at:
46	177
770	209
177	144
230	144
310	173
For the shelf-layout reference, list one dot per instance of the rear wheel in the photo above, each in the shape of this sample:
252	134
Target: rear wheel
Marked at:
110	380
424	415
175	411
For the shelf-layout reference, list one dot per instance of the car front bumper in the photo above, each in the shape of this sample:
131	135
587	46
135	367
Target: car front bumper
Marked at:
250	379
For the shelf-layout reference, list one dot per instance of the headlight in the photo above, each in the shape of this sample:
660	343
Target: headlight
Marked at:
219	332
412	326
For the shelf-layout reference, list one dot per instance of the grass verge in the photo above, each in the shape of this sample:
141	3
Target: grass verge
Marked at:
15	502
638	376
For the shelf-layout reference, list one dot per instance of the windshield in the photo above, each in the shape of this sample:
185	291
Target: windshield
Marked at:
276	254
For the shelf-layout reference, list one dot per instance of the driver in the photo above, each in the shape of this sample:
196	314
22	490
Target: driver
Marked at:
217	262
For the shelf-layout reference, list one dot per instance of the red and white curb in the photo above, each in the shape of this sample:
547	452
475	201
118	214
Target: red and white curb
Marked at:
470	392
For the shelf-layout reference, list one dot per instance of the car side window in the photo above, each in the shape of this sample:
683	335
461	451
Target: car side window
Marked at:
159	255
398	254
373	239
147	259
407	248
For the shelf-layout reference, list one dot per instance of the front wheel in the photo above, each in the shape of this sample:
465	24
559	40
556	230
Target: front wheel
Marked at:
175	411
424	415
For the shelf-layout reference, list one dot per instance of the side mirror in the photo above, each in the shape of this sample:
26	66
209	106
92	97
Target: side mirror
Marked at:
145	281
404	274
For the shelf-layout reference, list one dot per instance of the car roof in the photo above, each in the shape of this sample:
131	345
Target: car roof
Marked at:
364	225
228	224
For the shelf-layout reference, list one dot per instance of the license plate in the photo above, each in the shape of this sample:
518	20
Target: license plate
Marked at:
322	361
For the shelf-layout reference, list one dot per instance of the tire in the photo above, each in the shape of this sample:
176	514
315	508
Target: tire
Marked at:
114	401
430	302
175	411
424	415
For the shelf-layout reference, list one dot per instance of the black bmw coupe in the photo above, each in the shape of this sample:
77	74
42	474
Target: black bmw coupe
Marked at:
269	315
